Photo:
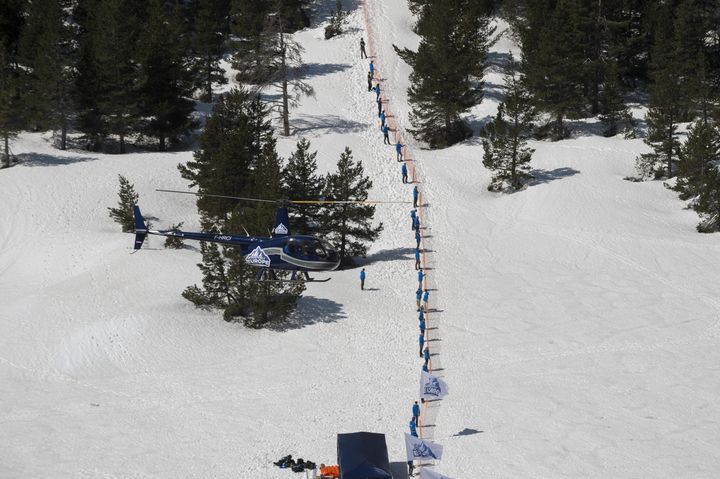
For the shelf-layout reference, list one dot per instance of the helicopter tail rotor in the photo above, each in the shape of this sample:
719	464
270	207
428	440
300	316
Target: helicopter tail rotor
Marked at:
141	230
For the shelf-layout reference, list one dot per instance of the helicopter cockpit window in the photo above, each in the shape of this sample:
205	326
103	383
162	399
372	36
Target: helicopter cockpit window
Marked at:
306	248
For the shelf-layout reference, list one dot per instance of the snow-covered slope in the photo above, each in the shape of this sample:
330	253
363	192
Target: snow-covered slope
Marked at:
577	321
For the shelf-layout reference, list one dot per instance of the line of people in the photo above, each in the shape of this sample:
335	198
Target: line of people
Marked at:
422	294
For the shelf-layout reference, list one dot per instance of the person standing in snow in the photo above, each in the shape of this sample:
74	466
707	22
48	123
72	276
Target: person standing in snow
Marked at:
362	279
418	296
413	428
413	214
379	105
372	68
403	171
416	412
377	91
411	466
386	135
417	237
420	275
421	342
416	196
363	54
421	323
370	79
398	150
426	356
417	266
416	223
382	119
426	297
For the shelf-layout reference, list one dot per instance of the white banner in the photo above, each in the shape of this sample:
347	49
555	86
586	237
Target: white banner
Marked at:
427	473
418	450
432	387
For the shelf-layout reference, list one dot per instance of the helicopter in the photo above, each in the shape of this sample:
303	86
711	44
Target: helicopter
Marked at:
283	251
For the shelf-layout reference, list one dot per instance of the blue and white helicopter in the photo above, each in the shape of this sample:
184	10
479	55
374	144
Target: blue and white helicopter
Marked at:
280	251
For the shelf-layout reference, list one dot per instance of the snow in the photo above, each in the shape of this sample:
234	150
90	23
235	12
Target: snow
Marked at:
577	320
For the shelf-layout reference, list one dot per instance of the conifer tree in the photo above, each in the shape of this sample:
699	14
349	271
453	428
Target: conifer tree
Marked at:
349	226
10	120
613	111
163	83
47	55
696	158
708	203
215	291
208	47
506	150
123	214
301	181
447	69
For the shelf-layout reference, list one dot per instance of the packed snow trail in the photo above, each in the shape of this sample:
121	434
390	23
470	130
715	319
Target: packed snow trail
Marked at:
429	410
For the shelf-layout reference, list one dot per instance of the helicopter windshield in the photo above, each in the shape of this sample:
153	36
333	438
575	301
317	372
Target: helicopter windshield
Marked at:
308	248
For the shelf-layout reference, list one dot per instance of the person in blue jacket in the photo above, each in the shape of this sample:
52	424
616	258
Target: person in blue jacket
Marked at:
421	342
426	356
398	150
403	170
426	296
416	196
416	412
379	105
386	135
418	297
421	275
377	91
421	325
417	238
425	368
382	119
417	266
416	223
372	67
413	427
413	213
362	279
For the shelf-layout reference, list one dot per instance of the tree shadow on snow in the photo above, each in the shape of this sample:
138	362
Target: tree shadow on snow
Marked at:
332	123
312	310
310	70
546	176
39	159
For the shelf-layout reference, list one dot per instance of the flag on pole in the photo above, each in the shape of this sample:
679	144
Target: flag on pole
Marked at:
427	473
418	450
432	387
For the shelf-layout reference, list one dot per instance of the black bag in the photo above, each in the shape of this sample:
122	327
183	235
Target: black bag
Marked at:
299	467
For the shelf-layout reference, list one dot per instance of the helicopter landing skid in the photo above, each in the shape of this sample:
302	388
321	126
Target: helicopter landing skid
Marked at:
270	277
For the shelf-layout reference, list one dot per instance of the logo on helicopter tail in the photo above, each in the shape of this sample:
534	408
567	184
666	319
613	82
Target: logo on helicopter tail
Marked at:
258	258
423	451
281	229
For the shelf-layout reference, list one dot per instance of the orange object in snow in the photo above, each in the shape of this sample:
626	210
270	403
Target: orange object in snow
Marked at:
330	471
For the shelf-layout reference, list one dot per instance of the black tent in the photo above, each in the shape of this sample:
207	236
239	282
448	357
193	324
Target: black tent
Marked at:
363	455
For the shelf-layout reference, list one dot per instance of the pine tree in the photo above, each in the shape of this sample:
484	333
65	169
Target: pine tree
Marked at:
708	203
301	181
349	226
447	69
613	110
664	111
123	214
163	83
215	292
48	57
337	20
208	47
696	158
506	150
554	71
10	119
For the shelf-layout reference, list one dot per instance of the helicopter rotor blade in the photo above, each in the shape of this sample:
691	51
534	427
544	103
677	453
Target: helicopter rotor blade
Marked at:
218	196
294	202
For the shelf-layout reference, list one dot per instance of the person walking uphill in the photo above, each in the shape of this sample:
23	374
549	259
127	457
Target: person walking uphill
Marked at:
362	279
363	54
403	170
